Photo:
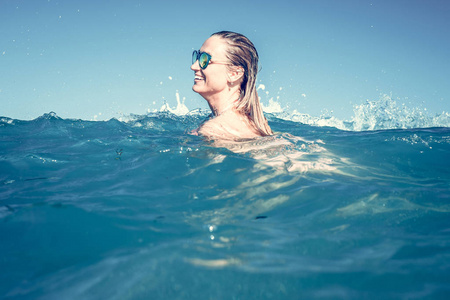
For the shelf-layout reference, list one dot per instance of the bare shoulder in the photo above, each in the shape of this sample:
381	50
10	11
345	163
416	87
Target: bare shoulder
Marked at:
213	128
231	126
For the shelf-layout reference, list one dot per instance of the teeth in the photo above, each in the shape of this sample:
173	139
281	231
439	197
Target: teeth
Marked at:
198	77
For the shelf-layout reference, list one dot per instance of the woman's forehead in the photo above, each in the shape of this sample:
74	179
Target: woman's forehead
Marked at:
215	46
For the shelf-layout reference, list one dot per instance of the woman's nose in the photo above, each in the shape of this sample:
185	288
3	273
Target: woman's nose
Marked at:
195	66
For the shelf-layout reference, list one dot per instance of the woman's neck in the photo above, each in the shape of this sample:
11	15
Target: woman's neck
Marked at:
222	105
217	112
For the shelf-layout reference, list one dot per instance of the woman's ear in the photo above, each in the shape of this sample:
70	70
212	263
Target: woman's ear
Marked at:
235	73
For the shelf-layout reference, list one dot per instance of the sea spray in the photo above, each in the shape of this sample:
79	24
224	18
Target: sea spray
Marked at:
384	113
179	110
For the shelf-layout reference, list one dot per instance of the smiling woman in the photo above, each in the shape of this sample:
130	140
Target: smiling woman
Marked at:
225	75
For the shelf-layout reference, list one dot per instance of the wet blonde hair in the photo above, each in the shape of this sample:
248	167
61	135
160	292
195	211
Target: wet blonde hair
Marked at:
242	53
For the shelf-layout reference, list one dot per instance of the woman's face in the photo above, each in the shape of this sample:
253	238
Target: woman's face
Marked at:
213	79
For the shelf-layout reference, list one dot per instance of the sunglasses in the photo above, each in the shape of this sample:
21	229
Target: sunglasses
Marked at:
204	59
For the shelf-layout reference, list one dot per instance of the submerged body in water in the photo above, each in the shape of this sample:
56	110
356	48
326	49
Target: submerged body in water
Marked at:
142	210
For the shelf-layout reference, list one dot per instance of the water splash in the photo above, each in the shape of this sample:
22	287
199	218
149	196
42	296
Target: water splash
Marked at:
180	110
387	114
273	107
382	114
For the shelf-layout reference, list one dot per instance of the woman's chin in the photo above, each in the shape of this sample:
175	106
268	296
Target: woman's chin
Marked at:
197	87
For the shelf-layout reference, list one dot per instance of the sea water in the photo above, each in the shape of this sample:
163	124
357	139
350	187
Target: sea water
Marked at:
139	209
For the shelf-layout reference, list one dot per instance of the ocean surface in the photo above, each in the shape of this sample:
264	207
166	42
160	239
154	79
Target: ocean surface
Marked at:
139	209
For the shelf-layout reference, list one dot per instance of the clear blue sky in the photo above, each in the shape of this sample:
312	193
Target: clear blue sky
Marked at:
83	58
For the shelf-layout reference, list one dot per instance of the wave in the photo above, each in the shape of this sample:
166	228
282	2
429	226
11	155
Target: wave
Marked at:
381	114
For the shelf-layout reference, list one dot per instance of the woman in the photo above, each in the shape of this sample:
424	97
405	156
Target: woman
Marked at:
225	75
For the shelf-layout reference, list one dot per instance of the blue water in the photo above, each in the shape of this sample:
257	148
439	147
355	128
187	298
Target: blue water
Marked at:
139	209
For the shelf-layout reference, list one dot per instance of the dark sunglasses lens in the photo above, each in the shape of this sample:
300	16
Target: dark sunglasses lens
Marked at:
194	56
203	60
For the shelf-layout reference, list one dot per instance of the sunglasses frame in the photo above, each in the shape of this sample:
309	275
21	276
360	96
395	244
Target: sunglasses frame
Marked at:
197	54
